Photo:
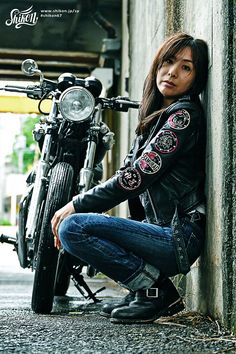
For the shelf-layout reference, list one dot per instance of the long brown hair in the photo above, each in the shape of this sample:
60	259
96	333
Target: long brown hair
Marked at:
152	98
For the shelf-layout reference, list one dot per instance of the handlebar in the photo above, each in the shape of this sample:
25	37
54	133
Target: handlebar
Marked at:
121	104
33	91
46	87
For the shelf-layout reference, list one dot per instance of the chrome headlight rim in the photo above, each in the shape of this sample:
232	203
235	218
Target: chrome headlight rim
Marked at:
62	102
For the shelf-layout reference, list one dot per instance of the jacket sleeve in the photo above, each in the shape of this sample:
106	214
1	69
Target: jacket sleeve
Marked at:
161	152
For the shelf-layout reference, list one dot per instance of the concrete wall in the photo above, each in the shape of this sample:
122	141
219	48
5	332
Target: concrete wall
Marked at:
210	286
229	165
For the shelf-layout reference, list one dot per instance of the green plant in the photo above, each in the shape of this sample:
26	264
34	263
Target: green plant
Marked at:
28	154
5	222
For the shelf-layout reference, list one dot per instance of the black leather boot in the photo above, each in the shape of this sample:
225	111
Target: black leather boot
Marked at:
162	299
108	308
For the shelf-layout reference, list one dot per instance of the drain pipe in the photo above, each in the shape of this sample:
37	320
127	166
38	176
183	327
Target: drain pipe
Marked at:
100	20
110	51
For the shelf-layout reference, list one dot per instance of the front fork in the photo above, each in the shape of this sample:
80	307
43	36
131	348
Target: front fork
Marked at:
86	173
85	179
40	180
39	185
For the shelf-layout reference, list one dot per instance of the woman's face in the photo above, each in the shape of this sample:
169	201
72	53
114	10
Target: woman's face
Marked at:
176	76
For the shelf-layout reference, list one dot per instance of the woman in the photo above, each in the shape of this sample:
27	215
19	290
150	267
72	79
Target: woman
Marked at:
163	181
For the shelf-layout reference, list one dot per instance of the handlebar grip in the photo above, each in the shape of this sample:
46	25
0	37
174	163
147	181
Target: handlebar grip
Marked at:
123	104
33	91
119	103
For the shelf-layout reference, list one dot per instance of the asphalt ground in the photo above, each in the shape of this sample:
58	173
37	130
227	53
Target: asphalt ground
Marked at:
75	326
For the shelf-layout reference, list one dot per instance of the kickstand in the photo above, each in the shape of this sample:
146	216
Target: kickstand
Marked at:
80	283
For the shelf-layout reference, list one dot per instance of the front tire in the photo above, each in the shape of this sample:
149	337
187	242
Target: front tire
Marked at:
63	276
59	193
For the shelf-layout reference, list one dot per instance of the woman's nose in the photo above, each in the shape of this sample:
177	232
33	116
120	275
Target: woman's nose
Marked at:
172	72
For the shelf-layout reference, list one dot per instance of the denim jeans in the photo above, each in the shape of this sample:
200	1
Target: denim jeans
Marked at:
132	253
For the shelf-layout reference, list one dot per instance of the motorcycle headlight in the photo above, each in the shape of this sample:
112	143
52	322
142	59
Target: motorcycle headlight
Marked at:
76	104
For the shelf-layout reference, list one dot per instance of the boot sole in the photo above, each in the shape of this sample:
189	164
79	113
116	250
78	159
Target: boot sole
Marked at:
169	311
108	314
174	308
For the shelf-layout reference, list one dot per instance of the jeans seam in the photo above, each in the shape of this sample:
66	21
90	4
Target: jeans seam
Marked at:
85	224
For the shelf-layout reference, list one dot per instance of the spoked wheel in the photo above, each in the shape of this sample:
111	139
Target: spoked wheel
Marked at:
59	193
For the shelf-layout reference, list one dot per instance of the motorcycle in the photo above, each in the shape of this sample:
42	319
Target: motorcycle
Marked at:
73	141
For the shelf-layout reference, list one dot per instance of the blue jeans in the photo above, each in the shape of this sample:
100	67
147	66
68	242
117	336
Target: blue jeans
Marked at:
132	253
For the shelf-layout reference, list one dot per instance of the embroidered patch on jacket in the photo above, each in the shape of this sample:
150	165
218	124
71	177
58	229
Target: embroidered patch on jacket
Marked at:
150	162
179	120
130	178
166	142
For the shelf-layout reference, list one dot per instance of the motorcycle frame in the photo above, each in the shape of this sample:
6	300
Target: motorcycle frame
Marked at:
43	170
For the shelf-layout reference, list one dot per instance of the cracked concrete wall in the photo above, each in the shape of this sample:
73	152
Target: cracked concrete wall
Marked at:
210	286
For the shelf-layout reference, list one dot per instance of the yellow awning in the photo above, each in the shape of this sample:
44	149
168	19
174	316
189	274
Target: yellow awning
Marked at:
22	105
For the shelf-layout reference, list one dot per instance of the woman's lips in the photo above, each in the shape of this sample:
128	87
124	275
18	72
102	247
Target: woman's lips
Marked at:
168	83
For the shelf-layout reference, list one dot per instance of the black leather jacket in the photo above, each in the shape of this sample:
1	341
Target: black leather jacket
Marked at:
162	170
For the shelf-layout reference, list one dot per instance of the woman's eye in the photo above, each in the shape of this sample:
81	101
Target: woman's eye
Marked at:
186	68
169	61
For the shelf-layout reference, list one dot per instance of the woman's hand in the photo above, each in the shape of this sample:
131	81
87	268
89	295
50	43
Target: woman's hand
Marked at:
58	217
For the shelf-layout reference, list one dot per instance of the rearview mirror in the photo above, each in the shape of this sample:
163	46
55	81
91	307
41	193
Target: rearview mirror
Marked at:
29	67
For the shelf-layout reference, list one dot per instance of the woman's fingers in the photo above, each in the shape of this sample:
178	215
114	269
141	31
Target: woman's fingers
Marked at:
56	220
58	217
57	242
